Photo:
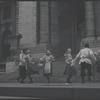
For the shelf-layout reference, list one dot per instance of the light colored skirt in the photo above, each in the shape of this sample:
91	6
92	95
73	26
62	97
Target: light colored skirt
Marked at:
48	68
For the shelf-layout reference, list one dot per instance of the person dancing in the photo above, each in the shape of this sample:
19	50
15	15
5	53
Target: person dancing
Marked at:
69	70
22	66
47	59
85	57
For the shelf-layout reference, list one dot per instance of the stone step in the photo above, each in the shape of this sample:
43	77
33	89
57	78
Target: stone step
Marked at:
57	91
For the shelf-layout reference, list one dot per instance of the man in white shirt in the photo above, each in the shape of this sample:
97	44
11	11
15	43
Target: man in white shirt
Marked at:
85	57
22	66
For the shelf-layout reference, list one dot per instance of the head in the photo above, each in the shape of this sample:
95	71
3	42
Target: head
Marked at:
23	51
98	52
69	50
86	45
48	52
28	51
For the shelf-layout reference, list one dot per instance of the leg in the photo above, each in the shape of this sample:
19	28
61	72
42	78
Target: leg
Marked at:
22	80
18	79
69	77
48	77
23	74
82	71
65	71
89	72
30	78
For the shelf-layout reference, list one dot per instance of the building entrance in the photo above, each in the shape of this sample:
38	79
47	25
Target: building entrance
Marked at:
72	15
6	43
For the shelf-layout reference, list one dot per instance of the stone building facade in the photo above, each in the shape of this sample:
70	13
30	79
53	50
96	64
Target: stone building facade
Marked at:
54	25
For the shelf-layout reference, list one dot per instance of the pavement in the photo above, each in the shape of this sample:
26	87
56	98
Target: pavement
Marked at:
51	85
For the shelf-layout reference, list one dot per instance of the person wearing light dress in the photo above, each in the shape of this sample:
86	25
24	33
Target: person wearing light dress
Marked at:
47	59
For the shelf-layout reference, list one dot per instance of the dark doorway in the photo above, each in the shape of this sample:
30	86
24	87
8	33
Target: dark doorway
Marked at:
6	44
72	14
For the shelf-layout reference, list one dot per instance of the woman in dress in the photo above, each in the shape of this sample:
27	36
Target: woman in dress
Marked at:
47	59
28	67
22	66
69	70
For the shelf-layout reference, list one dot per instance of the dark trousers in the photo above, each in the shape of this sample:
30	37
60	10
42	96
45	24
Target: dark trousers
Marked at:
30	78
22	73
85	66
69	78
47	75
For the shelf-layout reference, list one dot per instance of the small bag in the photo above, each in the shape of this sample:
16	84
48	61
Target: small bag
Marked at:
40	64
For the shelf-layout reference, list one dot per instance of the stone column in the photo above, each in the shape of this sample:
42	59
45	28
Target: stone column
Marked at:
97	15
89	24
54	23
44	22
89	18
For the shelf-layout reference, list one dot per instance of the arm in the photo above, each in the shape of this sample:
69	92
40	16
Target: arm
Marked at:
92	55
42	59
53	58
21	58
65	54
29	57
78	56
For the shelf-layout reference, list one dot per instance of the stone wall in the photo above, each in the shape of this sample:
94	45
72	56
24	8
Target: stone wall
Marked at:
27	23
92	24
44	22
97	17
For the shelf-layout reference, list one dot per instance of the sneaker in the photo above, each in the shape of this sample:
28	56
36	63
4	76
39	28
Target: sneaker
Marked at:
66	83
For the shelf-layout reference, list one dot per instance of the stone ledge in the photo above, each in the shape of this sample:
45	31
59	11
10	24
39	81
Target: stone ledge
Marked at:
11	67
58	91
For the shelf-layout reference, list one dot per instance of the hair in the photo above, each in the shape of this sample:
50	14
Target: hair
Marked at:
48	51
24	51
86	45
28	51
69	50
